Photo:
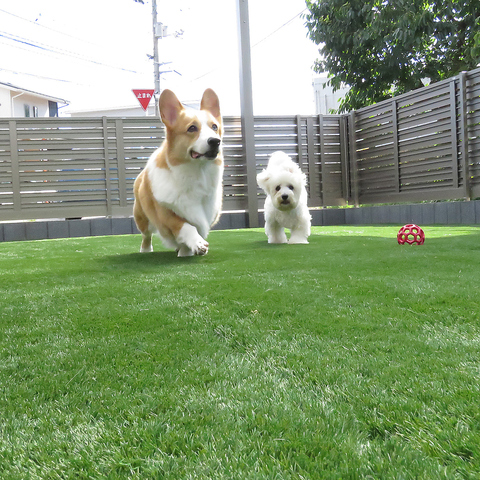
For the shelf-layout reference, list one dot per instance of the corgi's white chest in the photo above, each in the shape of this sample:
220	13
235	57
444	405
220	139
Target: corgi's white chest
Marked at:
192	191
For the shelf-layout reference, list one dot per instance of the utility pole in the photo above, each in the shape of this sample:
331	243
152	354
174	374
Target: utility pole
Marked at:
156	64
246	101
159	31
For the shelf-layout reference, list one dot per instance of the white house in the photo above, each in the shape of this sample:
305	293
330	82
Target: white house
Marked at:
126	111
325	98
20	102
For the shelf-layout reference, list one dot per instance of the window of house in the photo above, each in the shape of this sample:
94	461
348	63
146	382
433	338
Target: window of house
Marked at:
35	111
27	110
52	109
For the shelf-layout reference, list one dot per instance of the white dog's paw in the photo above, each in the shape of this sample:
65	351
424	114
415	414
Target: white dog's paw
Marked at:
275	233
277	240
146	249
297	240
299	235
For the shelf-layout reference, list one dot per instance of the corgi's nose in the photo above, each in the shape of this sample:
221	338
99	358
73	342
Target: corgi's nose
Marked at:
213	142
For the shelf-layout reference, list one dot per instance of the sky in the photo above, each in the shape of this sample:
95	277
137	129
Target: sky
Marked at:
92	53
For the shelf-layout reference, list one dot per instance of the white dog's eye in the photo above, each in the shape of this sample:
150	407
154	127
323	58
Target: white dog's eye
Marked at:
290	187
277	188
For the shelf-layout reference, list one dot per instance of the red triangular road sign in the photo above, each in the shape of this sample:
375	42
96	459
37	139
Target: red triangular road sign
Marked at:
144	97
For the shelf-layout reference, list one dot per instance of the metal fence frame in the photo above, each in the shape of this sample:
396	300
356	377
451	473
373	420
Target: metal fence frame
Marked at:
424	145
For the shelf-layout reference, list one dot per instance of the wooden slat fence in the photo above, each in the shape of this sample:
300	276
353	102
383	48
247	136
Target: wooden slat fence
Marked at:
406	148
69	167
424	145
64	168
472	136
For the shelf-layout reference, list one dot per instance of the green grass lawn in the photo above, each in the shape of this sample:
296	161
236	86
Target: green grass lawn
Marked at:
349	358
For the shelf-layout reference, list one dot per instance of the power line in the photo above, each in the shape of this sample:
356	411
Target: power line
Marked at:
52	29
41	77
47	48
67	53
256	44
278	29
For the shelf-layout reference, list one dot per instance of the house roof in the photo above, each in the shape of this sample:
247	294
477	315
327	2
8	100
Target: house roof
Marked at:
14	88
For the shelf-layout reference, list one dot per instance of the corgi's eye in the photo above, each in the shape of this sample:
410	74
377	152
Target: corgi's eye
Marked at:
214	127
192	128
277	188
290	187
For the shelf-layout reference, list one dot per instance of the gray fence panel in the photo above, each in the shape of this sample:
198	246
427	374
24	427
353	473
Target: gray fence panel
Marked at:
473	129
407	149
314	143
69	168
235	187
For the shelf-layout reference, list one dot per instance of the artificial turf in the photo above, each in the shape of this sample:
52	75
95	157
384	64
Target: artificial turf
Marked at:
351	357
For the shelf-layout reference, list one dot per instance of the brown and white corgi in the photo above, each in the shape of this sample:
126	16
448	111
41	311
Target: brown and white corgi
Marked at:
179	193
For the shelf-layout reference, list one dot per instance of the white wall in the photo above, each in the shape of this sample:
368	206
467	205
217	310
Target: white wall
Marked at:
136	111
325	98
5	103
32	101
113	112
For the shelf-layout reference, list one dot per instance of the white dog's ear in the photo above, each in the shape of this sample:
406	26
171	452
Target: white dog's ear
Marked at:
262	179
304	179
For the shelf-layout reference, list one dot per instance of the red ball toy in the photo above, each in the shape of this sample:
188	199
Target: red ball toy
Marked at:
411	234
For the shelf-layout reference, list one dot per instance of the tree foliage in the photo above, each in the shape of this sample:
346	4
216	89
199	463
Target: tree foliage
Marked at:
382	48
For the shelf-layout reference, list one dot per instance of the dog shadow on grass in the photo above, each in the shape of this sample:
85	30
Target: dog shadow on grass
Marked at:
139	261
135	260
168	258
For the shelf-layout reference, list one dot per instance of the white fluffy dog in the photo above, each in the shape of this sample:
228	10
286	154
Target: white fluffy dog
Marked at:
286	202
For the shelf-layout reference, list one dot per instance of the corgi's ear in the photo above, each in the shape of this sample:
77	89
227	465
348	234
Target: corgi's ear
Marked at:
210	103
169	107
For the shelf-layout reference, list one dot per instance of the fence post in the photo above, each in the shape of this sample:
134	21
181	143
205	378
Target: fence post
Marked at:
320	194
353	159
344	158
300	149
453	129
465	159
106	156
315	194
17	198
396	158
122	182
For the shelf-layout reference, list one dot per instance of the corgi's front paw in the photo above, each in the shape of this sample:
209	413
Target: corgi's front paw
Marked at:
191	243
200	249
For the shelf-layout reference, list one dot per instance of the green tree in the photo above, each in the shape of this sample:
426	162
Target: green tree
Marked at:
381	48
